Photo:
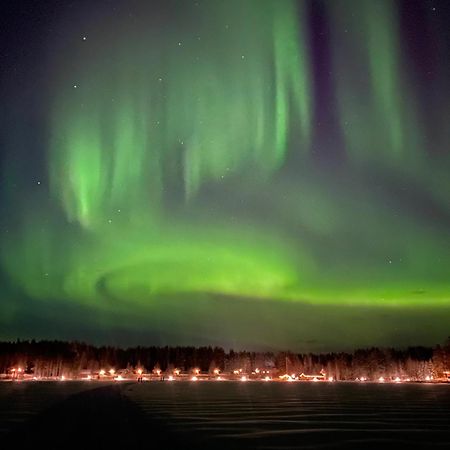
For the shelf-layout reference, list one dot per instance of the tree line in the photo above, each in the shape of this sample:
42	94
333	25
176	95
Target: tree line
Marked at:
56	358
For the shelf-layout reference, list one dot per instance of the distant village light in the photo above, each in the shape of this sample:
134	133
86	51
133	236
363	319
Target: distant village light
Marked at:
234	369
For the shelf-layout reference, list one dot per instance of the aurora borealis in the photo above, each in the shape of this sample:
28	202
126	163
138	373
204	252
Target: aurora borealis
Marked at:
263	173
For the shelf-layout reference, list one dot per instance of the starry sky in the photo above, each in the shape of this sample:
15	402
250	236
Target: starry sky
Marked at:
262	174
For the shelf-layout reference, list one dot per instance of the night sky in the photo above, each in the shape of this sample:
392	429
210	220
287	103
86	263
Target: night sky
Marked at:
248	173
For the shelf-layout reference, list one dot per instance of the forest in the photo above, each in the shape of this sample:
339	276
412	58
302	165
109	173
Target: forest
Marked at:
56	358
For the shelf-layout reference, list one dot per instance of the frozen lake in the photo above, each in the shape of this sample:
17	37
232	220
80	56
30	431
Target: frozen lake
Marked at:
228	415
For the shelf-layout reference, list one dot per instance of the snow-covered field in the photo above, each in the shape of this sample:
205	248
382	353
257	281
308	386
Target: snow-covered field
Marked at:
228	415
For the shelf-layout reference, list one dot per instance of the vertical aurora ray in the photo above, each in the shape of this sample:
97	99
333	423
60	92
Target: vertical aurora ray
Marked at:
213	102
376	102
291	70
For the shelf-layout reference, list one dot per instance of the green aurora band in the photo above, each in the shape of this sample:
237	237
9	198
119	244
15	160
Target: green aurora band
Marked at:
181	166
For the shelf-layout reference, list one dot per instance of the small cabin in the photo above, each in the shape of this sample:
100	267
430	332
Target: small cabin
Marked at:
312	377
